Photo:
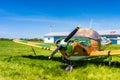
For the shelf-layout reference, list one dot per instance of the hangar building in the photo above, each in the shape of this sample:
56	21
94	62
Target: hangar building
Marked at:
53	36
113	35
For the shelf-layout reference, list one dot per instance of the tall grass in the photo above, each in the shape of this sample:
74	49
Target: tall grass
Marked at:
17	62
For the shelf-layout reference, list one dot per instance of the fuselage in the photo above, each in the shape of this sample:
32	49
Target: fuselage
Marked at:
81	45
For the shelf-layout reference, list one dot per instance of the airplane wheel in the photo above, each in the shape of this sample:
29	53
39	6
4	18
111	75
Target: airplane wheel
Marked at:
69	68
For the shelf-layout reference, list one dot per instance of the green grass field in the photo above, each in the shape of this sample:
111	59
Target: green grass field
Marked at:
17	62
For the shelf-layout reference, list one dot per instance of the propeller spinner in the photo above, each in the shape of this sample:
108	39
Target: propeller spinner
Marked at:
65	40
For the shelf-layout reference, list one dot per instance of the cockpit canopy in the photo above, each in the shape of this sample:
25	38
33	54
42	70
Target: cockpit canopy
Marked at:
88	33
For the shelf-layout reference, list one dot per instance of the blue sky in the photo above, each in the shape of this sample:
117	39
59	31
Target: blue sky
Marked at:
32	18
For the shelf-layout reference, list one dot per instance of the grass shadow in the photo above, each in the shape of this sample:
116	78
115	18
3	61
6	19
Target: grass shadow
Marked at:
97	61
42	57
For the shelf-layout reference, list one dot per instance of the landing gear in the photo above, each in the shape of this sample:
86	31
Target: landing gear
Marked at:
69	68
64	60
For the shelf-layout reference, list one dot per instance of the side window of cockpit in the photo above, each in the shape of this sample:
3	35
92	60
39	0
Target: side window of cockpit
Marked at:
85	41
71	43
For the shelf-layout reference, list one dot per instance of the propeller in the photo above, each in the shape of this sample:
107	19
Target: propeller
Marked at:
65	40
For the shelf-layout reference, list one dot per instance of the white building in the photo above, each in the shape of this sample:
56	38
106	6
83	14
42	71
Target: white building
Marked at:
114	35
53	36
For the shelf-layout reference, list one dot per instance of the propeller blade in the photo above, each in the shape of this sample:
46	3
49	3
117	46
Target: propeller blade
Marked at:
71	34
66	39
54	52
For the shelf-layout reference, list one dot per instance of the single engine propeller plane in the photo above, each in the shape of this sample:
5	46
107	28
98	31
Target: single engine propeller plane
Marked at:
79	44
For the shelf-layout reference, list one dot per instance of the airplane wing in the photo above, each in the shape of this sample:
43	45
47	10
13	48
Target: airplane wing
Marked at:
105	53
36	44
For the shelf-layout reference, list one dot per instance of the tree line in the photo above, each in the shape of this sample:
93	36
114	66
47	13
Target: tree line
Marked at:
32	39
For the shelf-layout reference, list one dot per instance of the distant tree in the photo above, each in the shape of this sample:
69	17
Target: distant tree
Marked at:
33	39
7	39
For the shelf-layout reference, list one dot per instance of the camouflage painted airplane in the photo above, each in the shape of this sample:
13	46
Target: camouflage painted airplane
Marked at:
79	44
